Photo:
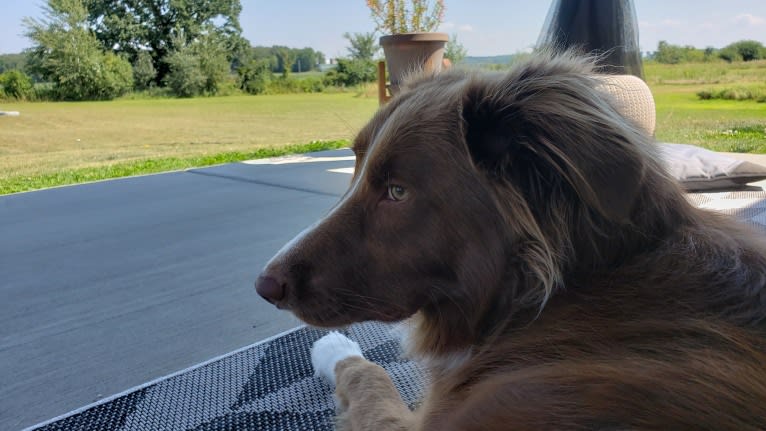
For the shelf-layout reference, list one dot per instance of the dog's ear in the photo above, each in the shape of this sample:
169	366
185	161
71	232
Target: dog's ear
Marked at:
546	125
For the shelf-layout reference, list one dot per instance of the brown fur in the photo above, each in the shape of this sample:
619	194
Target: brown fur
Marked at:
540	238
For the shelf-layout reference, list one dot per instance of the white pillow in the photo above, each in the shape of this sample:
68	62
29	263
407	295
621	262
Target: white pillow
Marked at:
700	169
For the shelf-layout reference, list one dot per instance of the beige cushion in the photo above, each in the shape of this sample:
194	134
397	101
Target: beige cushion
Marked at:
634	99
697	169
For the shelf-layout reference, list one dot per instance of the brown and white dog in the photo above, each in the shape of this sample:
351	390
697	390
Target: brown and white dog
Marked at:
553	275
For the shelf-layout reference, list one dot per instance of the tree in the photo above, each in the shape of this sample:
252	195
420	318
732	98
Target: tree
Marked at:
454	51
212	54
200	67
667	53
286	58
746	50
12	62
307	59
143	71
67	53
131	26
352	72
184	75
254	77
299	60
267	54
729	54
708	53
364	46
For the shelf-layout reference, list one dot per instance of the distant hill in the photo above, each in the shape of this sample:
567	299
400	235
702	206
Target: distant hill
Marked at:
495	59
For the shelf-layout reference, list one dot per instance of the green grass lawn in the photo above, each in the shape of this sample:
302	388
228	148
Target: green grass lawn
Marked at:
721	125
64	143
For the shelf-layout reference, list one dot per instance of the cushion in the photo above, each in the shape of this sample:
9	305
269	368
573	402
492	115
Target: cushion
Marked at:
700	169
633	99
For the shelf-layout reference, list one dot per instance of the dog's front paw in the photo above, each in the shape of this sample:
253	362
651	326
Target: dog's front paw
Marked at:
329	350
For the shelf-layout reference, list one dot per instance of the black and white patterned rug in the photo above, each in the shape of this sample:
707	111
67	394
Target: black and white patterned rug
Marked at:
271	385
749	206
267	386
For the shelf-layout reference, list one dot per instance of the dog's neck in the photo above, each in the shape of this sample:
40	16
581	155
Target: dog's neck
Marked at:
444	336
438	347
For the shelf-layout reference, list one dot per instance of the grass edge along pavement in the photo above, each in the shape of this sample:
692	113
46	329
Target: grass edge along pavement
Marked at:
152	166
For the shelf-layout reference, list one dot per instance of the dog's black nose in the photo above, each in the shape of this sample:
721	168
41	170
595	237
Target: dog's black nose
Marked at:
270	289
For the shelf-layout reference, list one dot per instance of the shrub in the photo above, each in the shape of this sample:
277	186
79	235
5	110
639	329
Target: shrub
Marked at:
144	72
198	68
753	92
213	63
16	84
352	72
313	84
255	76
454	51
283	85
45	91
673	54
115	76
98	76
288	85
729	54
185	78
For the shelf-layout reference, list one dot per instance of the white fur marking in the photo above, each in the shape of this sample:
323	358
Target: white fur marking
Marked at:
446	362
329	350
290	245
295	242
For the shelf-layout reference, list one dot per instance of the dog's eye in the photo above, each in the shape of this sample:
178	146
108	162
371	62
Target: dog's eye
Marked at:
396	193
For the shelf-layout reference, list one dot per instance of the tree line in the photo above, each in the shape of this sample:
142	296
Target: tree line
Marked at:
743	50
102	49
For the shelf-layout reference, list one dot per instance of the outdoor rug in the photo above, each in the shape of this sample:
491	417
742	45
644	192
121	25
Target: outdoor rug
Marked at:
270	385
266	386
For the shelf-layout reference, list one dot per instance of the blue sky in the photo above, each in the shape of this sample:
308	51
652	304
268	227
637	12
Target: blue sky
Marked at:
484	27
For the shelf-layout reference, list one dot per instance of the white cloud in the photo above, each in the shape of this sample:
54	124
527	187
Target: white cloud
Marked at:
749	19
465	27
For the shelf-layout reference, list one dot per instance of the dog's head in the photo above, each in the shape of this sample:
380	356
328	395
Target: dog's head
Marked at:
472	194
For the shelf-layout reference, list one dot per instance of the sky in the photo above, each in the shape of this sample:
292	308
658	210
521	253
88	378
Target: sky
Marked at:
483	27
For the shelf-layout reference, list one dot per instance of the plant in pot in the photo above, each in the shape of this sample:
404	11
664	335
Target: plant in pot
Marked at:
410	43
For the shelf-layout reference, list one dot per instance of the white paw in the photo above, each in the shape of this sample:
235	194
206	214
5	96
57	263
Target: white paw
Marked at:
329	350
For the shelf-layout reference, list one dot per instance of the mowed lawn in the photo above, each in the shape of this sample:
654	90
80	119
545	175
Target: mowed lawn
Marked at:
60	143
721	125
64	143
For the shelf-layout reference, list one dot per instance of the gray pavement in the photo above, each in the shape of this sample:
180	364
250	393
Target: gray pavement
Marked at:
108	285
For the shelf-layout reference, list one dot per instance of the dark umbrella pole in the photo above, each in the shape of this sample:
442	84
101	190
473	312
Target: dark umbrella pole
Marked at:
608	28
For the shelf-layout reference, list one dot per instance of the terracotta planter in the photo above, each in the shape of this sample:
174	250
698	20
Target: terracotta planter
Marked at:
409	52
